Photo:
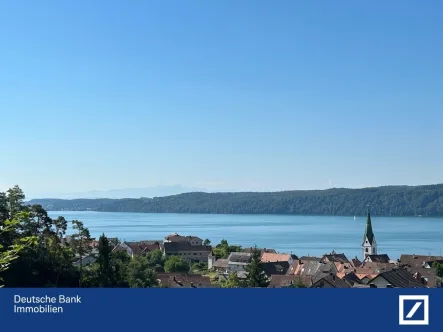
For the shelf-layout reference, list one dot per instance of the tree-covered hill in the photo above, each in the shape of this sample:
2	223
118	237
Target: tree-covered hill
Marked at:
388	200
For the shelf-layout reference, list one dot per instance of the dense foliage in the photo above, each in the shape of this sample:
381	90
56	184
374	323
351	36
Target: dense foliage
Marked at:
34	252
388	201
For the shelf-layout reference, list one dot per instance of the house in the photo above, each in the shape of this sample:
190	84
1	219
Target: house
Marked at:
283	281
275	268
183	280
356	262
190	253
396	278
419	260
175	237
331	281
221	265
143	247
378	267
303	262
138	248
312	268
350	277
262	250
324	270
310	258
383	258
237	261
426	276
272	257
333	257
89	259
431	263
124	247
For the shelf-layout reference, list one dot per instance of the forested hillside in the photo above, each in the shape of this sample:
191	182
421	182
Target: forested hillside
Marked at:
389	200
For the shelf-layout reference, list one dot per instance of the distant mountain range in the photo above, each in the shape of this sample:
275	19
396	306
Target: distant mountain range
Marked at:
157	191
388	201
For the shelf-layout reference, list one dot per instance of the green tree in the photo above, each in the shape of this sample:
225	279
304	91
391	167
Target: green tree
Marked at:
11	253
256	276
223	249
140	274
199	267
81	242
120	261
176	264
155	258
60	254
439	267
233	281
105	271
15	198
206	242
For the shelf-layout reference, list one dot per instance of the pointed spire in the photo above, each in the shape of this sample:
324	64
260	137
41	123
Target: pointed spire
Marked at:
369	234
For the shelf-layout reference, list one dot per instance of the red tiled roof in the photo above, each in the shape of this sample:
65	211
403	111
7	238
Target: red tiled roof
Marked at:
271	257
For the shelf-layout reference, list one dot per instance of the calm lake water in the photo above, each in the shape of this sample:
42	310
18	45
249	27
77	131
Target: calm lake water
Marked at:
301	235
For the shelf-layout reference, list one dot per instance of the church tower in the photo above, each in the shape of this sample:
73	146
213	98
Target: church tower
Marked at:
369	244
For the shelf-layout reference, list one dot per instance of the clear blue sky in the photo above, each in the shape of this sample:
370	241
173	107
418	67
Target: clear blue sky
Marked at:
229	94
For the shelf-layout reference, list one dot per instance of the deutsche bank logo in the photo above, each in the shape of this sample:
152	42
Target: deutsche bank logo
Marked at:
414	310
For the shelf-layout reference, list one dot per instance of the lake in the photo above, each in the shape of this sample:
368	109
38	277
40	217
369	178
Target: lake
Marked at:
301	235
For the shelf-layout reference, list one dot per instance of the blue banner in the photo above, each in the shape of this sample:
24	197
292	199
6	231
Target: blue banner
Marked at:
221	309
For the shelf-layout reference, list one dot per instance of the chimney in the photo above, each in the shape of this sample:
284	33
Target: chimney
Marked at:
372	286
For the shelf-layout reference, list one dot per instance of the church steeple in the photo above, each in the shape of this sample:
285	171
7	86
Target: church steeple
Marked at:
369	234
369	244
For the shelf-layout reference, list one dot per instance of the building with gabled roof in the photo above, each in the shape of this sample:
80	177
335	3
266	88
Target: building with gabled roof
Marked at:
268	257
336	258
382	258
331	281
419	260
396	278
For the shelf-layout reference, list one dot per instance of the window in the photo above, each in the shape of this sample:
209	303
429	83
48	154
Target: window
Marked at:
195	254
367	249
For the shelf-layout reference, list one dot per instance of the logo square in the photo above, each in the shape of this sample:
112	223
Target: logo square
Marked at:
414	310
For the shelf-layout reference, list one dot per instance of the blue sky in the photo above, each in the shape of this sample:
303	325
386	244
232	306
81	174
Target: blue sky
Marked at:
256	95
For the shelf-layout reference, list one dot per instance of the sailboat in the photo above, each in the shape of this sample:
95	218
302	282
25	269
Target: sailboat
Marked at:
355	218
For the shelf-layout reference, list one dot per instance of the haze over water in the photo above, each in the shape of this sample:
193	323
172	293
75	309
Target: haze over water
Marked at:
303	235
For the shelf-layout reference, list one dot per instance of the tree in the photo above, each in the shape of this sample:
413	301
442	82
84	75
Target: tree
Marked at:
61	225
199	267
233	281
439	267
223	249
155	258
81	242
176	264
206	242
256	276
105	271
120	261
140	274
12	252
15	199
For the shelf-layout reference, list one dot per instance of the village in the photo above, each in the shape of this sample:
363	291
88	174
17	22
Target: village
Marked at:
283	270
